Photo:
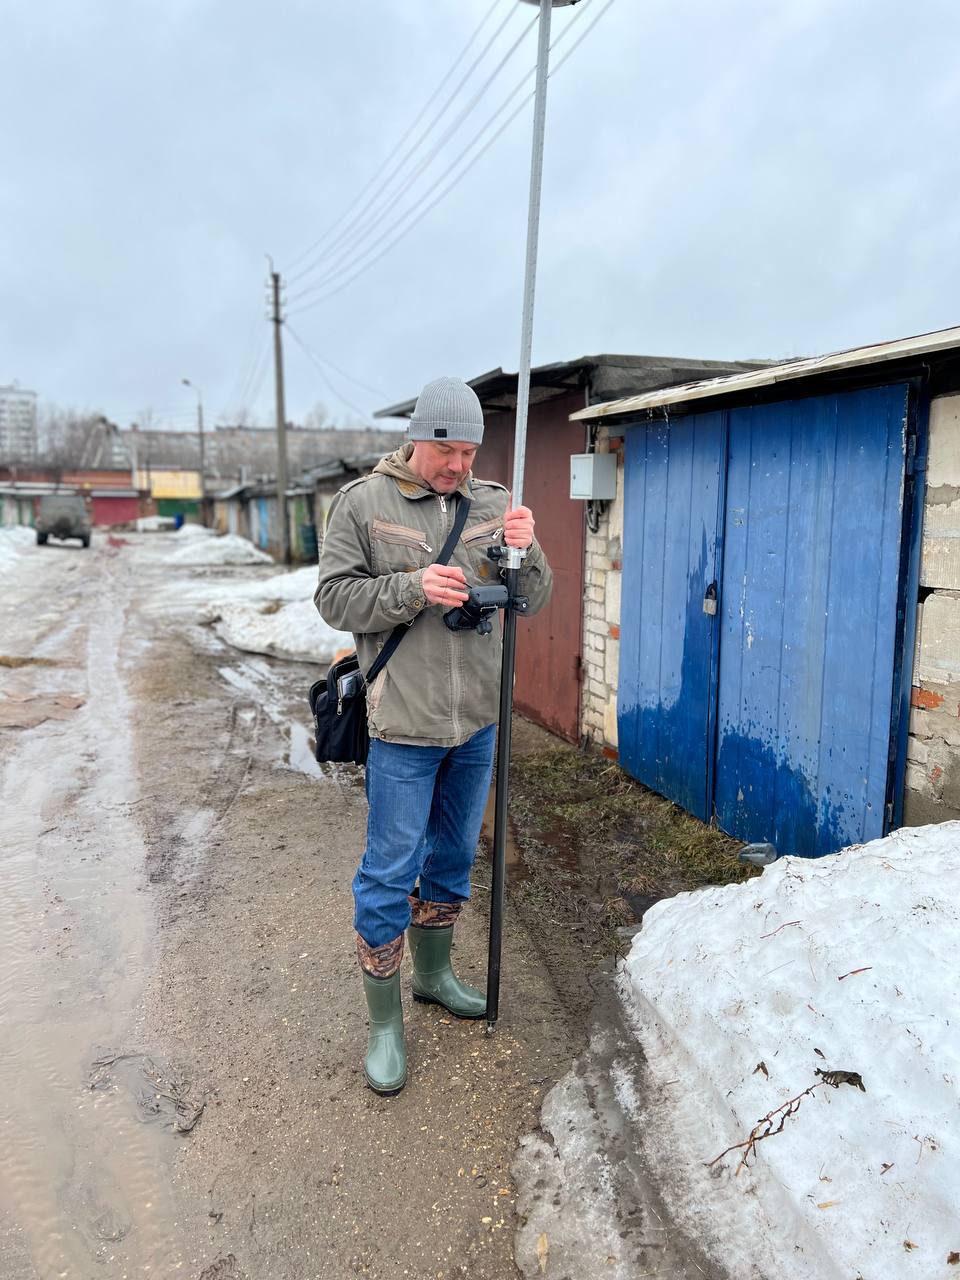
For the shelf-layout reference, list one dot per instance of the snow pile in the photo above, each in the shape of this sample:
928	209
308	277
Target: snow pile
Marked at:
274	615
228	549
154	524
294	630
298	584
188	531
12	539
740	995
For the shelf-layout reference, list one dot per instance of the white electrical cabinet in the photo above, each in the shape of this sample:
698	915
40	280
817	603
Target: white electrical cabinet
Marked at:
593	476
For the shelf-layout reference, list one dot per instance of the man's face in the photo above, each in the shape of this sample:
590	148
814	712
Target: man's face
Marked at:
442	464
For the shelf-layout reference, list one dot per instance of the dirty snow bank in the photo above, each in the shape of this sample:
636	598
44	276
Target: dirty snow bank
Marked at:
13	538
228	549
276	615
295	630
738	995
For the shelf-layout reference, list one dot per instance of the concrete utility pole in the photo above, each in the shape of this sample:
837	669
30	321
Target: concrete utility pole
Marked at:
203	482
277	319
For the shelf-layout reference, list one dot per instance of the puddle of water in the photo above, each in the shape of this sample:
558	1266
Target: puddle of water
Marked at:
514	862
257	681
300	756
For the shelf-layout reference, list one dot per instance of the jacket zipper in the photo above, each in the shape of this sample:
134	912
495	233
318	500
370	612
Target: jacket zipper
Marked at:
399	537
492	534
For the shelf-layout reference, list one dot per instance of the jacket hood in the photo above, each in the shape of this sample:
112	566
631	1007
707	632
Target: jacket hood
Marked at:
397	466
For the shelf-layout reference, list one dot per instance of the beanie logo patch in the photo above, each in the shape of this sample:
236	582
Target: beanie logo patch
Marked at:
439	433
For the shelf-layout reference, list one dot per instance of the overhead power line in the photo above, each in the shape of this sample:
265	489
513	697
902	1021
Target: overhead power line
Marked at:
382	205
414	216
255	371
252	350
318	363
412	150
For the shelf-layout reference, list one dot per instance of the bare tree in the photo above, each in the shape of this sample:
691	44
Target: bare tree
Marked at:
66	436
318	417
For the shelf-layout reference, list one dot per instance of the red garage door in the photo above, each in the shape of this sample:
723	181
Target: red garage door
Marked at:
548	646
111	510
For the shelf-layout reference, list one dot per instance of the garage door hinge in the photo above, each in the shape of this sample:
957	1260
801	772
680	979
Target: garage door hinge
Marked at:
911	453
889	815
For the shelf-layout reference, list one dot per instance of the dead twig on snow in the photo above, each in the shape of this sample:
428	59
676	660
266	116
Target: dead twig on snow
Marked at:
772	1123
786	925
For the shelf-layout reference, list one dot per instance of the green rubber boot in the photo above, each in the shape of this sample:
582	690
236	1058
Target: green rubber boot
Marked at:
434	981
385	1065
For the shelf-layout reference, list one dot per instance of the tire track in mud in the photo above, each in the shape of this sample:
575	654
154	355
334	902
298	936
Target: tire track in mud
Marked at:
177	834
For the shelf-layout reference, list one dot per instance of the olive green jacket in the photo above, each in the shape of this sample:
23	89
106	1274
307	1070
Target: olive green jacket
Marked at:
440	686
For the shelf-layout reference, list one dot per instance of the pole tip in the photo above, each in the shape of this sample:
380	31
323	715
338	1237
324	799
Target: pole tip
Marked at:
491	1028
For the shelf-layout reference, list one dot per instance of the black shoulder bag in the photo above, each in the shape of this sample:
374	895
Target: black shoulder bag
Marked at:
339	703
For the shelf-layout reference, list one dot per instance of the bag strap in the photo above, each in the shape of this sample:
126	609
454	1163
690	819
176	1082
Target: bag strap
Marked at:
398	632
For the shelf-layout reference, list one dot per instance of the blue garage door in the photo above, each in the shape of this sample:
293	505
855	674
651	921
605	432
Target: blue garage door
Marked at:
672	504
775	712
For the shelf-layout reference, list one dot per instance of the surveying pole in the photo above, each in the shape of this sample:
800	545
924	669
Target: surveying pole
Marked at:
512	557
277	319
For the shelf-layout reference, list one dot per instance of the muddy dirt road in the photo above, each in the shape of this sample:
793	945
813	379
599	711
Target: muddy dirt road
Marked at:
180	1088
181	1019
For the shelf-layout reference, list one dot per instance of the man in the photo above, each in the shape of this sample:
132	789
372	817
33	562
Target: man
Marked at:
433	707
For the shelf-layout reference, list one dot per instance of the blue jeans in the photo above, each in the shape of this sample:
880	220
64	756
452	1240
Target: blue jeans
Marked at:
426	810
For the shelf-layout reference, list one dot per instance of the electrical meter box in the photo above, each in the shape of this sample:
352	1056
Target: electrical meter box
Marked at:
593	476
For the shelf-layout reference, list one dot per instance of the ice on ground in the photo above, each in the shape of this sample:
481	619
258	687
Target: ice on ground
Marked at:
740	995
228	549
294	630
586	1204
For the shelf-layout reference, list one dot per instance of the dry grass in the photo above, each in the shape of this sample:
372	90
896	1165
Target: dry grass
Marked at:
653	847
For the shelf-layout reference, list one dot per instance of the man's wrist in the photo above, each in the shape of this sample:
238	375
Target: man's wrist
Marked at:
412	593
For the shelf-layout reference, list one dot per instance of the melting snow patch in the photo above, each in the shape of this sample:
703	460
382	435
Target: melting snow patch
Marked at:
190	530
761	1010
13	538
294	630
228	549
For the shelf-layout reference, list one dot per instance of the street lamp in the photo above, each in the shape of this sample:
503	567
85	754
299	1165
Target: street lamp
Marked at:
513	557
203	485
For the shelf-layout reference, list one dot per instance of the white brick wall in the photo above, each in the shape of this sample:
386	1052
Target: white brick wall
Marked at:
601	645
933	750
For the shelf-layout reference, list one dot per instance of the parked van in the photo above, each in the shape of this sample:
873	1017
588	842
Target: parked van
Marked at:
63	515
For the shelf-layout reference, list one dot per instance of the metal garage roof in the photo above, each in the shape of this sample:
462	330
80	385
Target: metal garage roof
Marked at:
941	340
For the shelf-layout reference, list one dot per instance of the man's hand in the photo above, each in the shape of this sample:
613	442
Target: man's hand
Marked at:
518	527
444	584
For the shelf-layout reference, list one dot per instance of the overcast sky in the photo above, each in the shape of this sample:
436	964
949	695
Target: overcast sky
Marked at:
723	179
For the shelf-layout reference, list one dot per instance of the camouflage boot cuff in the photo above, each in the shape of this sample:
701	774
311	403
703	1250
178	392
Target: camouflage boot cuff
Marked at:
433	915
380	962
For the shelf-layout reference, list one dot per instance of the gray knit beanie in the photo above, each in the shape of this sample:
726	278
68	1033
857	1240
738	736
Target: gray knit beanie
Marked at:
447	409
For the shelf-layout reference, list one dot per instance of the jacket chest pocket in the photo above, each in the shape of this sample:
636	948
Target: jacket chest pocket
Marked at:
397	548
476	538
